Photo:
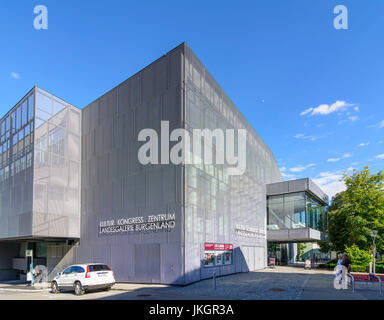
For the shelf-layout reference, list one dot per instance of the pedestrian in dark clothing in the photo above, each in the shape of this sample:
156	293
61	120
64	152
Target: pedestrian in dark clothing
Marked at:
346	263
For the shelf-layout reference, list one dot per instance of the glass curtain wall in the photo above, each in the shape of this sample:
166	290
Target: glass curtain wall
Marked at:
295	210
16	151
56	198
215	200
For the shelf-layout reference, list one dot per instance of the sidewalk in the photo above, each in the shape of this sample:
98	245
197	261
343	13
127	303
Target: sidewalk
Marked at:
21	286
280	283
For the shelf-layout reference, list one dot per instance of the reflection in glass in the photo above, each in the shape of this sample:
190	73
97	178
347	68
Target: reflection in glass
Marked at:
294	211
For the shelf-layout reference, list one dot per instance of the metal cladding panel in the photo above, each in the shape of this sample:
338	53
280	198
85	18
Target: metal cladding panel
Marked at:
217	205
297	185
118	186
277	188
316	190
144	270
57	168
16	169
295	235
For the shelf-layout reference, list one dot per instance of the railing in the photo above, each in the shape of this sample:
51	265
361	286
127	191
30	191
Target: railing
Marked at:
365	278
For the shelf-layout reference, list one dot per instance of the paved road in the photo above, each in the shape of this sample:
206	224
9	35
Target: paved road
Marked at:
282	283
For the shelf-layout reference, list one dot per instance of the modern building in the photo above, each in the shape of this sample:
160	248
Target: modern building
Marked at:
39	179
73	187
296	212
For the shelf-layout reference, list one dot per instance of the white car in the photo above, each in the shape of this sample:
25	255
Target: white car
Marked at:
84	277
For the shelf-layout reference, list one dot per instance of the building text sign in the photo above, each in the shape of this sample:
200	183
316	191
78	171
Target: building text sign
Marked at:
218	246
152	223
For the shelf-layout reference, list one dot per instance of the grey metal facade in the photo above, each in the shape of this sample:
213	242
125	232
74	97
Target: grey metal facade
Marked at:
115	184
210	205
84	177
218	205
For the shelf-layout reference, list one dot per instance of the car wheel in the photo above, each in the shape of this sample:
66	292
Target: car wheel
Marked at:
78	289
54	287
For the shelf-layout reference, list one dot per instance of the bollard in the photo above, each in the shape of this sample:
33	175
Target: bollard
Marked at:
214	281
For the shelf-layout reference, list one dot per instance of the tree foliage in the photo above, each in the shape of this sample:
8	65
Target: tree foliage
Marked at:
358	210
358	256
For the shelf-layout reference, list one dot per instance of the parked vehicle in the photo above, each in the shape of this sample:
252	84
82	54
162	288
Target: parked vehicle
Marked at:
84	277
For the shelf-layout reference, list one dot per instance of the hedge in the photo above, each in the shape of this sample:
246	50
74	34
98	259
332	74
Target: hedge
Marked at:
354	267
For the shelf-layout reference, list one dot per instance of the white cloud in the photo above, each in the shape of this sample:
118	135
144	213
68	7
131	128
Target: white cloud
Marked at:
288	176
15	75
353	118
363	144
306	111
325	109
380	156
282	169
301	168
345	155
379	125
330	182
304	137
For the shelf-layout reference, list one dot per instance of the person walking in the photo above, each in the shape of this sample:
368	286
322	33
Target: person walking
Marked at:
339	272
346	264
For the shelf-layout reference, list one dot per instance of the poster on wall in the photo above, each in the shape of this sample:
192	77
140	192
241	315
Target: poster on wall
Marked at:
219	258
228	257
217	254
209	259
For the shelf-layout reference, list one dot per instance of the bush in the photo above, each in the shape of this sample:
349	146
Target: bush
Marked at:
359	268
380	268
327	265
358	256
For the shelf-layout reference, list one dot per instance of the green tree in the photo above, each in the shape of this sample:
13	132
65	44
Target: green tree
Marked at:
300	250
356	211
358	256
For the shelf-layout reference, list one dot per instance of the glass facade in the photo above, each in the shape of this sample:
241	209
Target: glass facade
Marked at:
296	210
16	159
215	199
40	168
56	179
217	204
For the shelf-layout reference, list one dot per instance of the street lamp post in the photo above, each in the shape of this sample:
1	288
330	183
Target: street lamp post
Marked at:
373	234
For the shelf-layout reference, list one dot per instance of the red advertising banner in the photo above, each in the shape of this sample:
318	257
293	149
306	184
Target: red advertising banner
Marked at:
218	246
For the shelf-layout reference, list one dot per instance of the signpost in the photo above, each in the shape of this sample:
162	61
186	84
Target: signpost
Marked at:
373	235
29	253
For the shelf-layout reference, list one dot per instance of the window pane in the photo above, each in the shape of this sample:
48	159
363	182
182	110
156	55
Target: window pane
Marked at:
24	113
30	107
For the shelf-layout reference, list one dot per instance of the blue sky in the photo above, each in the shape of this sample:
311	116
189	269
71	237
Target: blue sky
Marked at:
313	93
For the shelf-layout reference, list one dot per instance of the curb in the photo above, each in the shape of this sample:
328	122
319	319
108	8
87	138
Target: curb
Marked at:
24	290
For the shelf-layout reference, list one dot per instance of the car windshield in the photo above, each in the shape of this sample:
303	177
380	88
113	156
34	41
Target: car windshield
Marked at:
98	267
66	271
